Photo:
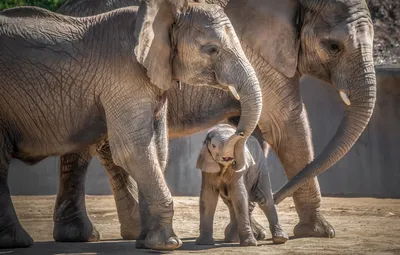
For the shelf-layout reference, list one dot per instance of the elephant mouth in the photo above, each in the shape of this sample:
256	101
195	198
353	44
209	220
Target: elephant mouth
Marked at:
227	159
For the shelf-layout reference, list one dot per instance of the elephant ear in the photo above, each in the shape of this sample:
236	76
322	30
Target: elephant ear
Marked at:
269	28
205	162
152	32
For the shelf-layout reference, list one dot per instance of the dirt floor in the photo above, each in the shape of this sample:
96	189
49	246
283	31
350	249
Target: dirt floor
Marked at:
363	226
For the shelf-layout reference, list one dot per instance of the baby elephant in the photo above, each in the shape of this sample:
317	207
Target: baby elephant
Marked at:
238	189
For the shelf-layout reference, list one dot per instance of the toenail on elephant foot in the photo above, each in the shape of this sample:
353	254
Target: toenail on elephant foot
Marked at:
162	238
278	236
76	232
14	236
317	226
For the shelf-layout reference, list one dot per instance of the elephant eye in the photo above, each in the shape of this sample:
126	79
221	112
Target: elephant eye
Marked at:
213	145
333	47
211	50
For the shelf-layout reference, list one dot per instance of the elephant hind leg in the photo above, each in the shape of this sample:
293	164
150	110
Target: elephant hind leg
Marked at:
293	145
125	193
12	235
71	222
267	205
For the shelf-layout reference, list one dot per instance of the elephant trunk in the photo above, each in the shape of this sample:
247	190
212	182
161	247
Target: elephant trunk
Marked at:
358	110
242	78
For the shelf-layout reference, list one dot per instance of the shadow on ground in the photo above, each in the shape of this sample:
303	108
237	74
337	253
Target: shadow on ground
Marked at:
115	247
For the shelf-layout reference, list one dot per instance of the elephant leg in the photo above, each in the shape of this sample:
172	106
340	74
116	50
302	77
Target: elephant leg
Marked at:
240	204
208	205
291	140
231	230
231	234
161	141
125	193
267	205
259	231
133	147
71	222
12	234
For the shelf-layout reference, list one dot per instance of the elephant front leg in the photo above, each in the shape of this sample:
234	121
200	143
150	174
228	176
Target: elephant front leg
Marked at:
12	235
71	222
125	193
132	143
293	144
240	202
208	205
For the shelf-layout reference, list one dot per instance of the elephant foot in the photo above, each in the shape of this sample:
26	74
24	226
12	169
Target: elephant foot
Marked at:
315	226
205	240
131	233
76	230
248	241
14	236
278	236
140	241
258	231
159	237
231	234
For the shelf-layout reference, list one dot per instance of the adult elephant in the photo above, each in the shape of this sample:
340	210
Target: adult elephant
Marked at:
66	83
283	39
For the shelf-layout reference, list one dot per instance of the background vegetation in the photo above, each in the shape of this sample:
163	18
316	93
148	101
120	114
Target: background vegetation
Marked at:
51	5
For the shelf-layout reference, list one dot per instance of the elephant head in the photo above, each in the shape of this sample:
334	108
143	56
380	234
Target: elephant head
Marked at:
330	40
216	151
336	46
196	44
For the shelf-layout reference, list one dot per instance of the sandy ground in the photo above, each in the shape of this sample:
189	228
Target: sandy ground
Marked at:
363	226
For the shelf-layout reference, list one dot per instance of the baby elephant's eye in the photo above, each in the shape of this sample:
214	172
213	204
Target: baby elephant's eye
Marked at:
213	145
211	50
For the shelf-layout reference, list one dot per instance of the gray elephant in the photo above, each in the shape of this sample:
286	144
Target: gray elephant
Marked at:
283	39
67	83
236	188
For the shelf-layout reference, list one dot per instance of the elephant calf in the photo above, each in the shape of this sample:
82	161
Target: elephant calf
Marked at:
238	189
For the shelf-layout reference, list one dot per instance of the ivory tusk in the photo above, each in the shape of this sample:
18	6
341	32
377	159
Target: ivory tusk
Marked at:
234	92
344	97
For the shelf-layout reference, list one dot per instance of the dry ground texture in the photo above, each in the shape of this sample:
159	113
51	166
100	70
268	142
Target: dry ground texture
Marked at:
363	226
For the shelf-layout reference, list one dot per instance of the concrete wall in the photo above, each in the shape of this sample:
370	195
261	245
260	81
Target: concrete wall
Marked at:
371	168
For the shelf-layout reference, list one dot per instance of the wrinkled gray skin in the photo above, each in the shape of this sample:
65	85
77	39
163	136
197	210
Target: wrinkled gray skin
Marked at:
334	45
66	83
236	188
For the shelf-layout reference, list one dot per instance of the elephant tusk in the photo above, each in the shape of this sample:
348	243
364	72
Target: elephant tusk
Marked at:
234	92
344	97
179	85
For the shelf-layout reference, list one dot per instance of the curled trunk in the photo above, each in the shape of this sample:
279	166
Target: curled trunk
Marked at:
356	117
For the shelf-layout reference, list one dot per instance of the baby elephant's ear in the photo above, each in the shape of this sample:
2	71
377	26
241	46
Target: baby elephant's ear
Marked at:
205	162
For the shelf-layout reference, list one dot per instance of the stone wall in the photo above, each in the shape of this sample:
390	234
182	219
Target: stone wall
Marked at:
371	168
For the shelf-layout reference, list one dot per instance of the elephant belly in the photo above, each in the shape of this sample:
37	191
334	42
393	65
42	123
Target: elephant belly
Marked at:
59	139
